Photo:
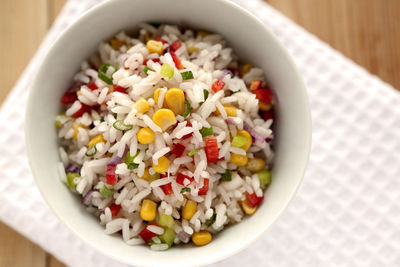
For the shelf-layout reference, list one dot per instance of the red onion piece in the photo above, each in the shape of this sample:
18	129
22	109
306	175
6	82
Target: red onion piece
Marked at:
231	121
183	236
224	73
87	195
115	160
234	71
75	87
258	139
72	168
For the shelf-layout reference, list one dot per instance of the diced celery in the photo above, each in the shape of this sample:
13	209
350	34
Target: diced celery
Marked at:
265	177
239	141
168	236
167	70
167	220
73	179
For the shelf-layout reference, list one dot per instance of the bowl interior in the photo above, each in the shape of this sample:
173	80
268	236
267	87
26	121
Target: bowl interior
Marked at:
249	39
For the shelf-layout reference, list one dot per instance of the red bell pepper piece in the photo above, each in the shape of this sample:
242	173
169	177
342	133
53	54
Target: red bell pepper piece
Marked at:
176	60
253	199
178	150
159	39
266	115
167	188
123	64
203	191
147	235
111	175
264	95
81	111
153	59
256	84
212	151
180	178
93	86
69	98
217	85
115	209
120	89
188	124
175	46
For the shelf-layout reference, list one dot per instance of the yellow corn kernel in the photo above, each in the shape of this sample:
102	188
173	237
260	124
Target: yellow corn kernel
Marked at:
264	107
116	44
247	208
147	36
148	211
245	69
162	166
246	134
142	106
145	136
239	160
175	99
201	238
164	118
191	47
203	33
156	94
146	174
189	209
76	127
155	47
230	110
255	164
96	139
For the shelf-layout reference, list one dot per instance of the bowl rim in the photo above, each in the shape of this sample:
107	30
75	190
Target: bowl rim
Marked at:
307	129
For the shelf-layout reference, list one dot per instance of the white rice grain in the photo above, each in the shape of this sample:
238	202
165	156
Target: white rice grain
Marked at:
159	154
150	123
114	226
74	108
155	229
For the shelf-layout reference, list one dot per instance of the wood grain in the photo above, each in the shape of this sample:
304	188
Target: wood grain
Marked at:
363	30
366	31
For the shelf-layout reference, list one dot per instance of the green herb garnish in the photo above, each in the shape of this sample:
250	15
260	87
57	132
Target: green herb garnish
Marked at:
211	221
206	131
146	69
191	153
188	109
91	151
121	126
185	189
102	73
132	166
106	192
205	93
227	176
187	75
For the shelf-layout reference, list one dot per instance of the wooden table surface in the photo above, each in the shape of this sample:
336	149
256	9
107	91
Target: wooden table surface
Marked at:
364	30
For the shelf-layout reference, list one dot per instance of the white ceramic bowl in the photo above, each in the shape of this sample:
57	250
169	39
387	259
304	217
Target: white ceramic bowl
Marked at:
250	39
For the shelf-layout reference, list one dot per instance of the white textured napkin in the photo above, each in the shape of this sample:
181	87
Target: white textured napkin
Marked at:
347	212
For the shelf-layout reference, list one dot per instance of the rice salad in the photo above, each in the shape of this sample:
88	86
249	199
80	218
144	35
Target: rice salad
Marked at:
167	137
